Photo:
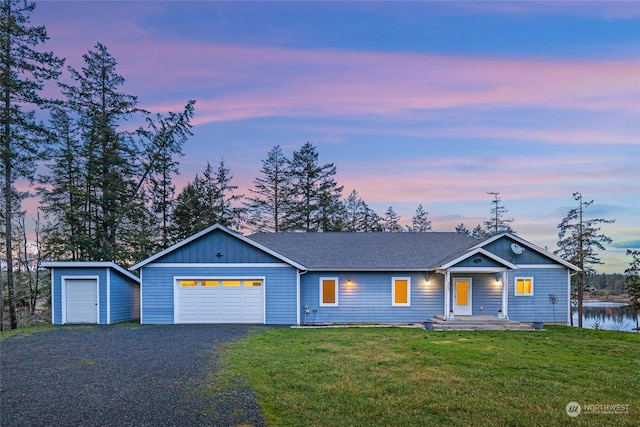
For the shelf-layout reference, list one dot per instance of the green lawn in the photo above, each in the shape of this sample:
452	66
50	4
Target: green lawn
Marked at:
413	377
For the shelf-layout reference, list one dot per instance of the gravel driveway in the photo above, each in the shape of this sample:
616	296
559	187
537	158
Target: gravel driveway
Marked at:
121	375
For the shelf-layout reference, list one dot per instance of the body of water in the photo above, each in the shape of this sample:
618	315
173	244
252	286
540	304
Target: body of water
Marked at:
605	315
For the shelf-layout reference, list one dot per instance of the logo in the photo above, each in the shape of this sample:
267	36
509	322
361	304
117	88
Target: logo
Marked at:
573	409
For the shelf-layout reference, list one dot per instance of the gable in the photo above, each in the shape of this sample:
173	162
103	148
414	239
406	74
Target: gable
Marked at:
501	246
217	247
479	260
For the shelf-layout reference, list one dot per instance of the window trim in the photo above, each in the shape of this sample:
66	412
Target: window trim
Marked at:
321	291
523	294
393	292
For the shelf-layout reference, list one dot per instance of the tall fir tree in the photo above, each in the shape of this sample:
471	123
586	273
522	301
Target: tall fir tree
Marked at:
271	193
497	223
314	193
112	172
390	221
420	222
227	205
579	239
462	229
24	71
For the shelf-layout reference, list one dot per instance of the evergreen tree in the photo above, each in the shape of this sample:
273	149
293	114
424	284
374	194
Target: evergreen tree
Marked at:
314	192
271	194
166	137
63	197
23	72
390	221
420	222
497	223
462	229
632	284
226	203
112	173
478	232
578	240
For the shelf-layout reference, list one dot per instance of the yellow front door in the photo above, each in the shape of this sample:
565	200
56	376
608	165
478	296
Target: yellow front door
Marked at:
462	297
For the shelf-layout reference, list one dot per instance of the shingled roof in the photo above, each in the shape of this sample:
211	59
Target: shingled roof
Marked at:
367	251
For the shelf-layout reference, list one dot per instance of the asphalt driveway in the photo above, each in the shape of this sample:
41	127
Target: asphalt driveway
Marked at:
121	375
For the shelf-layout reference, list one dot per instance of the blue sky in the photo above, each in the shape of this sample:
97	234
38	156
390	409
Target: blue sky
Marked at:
419	102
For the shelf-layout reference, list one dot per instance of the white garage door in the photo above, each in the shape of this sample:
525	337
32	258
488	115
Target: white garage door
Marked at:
81	300
213	300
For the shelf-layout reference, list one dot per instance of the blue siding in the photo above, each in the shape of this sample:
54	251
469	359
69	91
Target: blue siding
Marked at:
502	248
537	307
368	298
486	293
125	298
69	272
206	248
478	260
280	290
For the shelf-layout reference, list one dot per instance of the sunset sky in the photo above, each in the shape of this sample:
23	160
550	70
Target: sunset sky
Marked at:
432	103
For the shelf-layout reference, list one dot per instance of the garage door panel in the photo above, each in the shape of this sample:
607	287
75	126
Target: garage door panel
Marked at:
215	300
81	300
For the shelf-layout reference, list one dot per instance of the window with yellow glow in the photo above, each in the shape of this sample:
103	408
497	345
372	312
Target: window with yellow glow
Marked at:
188	283
210	283
328	291
401	291
252	283
524	286
231	283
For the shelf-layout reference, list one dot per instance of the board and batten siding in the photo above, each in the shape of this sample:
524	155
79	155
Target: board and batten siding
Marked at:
367	298
157	291
537	308
217	247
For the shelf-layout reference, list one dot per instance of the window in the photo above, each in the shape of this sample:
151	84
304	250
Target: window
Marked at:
328	291
253	283
209	283
231	283
188	283
401	291
524	286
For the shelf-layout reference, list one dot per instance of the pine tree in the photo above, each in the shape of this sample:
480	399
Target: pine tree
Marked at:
578	240
314	192
271	193
478	232
420	222
497	223
227	204
390	221
23	72
632	284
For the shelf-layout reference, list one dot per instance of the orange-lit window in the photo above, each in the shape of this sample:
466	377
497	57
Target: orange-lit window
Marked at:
188	283
524	286
252	283
401	291
210	283
328	291
231	283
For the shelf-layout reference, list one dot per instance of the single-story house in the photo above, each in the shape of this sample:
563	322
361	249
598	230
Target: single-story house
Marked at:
220	276
92	292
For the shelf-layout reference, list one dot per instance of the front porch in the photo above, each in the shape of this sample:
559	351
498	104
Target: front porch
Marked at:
477	323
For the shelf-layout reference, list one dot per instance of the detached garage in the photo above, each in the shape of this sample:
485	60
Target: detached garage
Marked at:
92	293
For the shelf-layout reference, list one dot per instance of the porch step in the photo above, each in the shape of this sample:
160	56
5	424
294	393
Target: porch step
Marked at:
478	323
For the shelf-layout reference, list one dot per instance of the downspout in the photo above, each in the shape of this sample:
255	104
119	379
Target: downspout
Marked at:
447	295
298	274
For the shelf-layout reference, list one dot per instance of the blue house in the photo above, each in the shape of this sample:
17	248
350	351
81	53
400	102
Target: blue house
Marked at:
220	276
92	292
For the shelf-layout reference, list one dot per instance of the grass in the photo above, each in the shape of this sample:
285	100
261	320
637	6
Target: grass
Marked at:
23	332
409	377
